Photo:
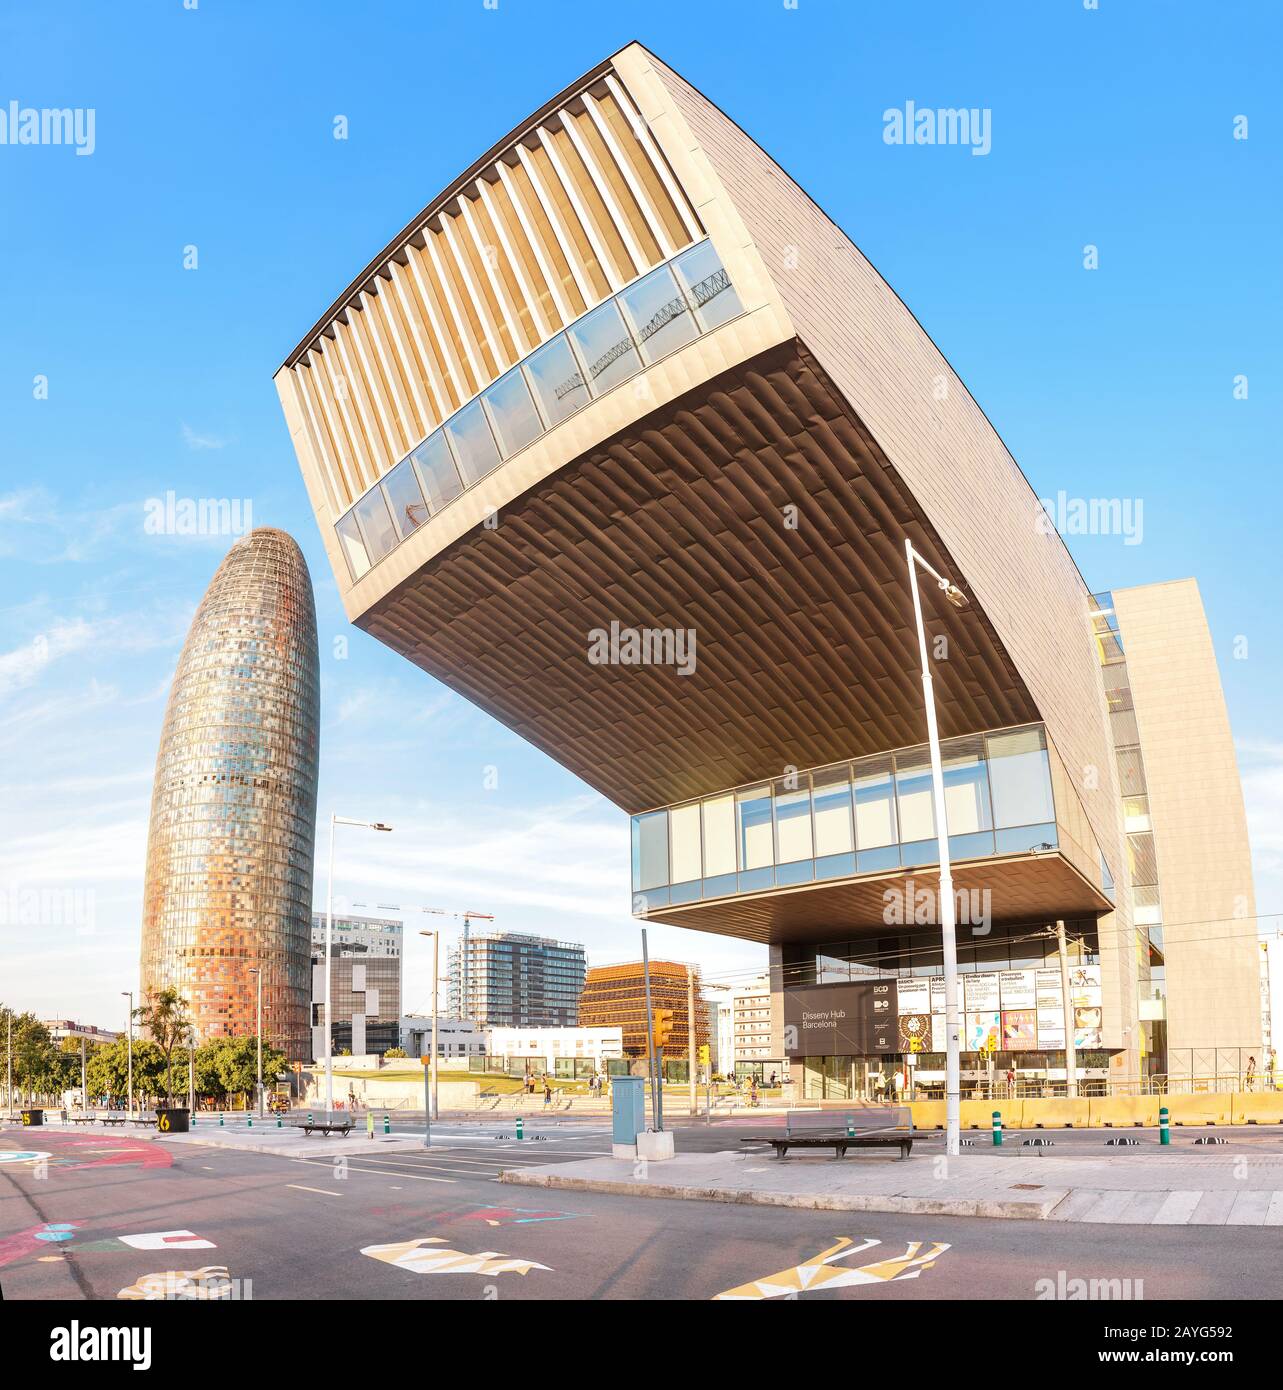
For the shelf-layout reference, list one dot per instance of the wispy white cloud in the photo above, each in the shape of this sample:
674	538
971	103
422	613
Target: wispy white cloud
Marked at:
195	440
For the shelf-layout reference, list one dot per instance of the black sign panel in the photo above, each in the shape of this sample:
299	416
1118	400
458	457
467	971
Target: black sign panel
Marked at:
858	1019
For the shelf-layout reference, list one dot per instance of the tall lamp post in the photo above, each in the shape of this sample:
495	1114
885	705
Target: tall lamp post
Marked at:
436	940
948	925
258	977
129	1085
329	945
191	1072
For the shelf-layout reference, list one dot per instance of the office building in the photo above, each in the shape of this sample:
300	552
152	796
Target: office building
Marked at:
233	813
615	997
507	979
708	429
365	984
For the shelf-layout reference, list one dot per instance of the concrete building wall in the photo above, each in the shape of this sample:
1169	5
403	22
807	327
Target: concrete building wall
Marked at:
1200	826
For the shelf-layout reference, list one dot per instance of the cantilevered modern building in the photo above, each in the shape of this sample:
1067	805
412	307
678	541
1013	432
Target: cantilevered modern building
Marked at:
622	438
233	811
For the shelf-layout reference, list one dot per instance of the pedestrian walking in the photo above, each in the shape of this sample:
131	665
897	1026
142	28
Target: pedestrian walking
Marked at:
547	1091
1251	1072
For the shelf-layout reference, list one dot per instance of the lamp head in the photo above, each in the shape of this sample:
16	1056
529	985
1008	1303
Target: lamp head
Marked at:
953	594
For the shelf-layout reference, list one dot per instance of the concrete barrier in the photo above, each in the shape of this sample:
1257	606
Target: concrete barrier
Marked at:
927	1114
978	1114
1211	1108
1057	1112
1256	1108
1120	1112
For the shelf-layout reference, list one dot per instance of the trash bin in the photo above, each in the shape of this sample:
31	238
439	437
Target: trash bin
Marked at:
32	1117
173	1120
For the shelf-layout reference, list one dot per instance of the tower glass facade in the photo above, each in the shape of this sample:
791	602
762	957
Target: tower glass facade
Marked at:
233	814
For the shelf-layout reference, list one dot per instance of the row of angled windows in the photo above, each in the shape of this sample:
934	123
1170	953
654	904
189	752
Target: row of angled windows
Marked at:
659	313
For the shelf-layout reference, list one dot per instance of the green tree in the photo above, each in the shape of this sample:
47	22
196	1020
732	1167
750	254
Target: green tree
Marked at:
36	1065
107	1068
165	1017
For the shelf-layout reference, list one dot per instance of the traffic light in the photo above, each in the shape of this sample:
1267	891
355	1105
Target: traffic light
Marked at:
705	1056
663	1026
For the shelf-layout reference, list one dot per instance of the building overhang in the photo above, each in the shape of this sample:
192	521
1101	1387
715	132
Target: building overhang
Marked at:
755	510
1020	888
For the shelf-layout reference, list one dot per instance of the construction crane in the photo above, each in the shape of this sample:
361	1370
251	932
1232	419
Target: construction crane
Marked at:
465	917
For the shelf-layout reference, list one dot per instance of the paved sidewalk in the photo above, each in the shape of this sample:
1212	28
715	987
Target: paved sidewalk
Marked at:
286	1142
1118	1189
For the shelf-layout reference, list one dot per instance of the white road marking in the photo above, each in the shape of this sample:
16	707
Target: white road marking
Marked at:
320	1191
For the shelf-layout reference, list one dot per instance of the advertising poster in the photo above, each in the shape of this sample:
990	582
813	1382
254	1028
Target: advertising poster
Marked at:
1051	1036
1087	1025
938	1034
1084	985
1049	994
980	992
915	1028
937	994
844	1020
915	996
979	1028
1018	989
1019	1030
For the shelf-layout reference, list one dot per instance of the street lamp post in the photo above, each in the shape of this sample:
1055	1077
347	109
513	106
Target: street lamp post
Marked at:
258	1029
129	1084
191	1072
948	926
329	945
436	938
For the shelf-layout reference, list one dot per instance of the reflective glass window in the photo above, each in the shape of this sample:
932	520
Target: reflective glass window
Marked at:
605	347
913	795
703	278
1020	778
473	444
719	836
684	832
832	814
349	533
658	314
966	786
405	500
376	524
438	476
556	381
793	821
753	809
512	413
874	804
650	851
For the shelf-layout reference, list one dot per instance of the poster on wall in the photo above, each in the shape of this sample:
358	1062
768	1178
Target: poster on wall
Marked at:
915	1028
1084	985
1049	993
1051	1036
1019	1030
1018	988
844	1020
915	996
937	994
981	992
979	1029
1087	1025
939	1036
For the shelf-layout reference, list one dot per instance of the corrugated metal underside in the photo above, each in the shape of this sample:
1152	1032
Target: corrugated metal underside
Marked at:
756	510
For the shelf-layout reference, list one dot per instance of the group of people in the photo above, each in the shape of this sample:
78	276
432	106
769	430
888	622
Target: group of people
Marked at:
891	1087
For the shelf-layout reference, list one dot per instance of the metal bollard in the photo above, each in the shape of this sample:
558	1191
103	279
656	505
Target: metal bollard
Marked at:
387	1124
220	1119
521	1134
997	1129
1164	1133
278	1123
249	1121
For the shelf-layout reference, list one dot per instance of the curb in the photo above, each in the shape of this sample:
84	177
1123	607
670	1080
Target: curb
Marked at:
923	1206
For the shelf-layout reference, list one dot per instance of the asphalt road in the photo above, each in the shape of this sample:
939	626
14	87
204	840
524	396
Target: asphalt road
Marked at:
282	1228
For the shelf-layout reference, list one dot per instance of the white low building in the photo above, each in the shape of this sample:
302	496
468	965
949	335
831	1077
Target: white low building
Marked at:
543	1048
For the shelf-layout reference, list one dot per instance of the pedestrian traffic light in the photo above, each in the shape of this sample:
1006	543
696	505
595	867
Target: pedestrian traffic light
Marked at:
663	1026
704	1055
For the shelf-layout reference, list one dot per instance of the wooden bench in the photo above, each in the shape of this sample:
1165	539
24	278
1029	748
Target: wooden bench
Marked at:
321	1127
865	1127
114	1119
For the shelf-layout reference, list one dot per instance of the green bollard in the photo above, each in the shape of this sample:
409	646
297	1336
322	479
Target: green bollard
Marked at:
309	1117
850	1126
997	1129
521	1134
1164	1134
249	1121
278	1123
220	1119
387	1124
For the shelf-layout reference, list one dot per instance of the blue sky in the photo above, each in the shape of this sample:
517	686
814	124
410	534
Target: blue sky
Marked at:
214	129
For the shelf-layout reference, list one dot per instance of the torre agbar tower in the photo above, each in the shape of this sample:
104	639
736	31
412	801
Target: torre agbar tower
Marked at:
233	813
622	439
